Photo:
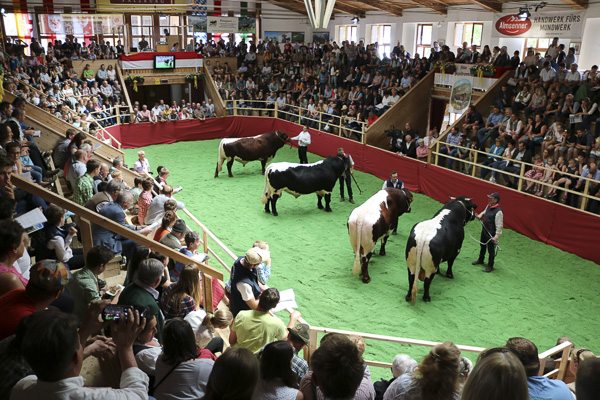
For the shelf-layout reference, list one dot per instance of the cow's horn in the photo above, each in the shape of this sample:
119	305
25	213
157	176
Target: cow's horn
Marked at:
469	199
452	198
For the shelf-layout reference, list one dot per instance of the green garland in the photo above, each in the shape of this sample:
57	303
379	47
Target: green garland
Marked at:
486	70
191	77
446	66
131	78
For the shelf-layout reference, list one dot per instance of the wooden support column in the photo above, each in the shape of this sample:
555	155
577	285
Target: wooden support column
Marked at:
85	228
207	292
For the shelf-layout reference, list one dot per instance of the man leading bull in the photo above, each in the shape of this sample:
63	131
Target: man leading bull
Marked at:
346	176
492	220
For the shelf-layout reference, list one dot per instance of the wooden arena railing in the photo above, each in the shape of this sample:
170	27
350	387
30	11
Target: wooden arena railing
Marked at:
314	331
297	115
87	217
521	178
560	372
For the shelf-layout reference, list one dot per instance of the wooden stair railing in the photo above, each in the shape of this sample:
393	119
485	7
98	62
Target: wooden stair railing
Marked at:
413	107
87	217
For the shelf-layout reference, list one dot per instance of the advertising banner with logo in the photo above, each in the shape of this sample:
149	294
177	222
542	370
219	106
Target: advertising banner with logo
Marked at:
561	24
222	24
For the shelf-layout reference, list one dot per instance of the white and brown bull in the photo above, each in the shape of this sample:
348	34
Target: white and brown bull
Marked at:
262	147
435	241
373	220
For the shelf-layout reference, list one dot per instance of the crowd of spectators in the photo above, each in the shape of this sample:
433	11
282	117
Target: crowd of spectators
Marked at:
167	344
546	116
48	80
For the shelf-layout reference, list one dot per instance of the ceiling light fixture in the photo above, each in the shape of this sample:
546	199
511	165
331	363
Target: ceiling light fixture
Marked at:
355	20
524	13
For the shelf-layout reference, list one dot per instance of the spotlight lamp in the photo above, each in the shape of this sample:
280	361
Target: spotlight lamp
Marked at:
355	20
524	13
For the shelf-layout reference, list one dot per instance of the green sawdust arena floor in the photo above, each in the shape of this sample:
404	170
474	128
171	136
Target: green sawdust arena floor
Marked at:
537	291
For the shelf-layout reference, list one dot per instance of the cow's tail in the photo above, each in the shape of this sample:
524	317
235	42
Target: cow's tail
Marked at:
220	157
415	287
356	269
267	190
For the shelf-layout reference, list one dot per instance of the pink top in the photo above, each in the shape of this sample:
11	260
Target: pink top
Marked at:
422	151
13	270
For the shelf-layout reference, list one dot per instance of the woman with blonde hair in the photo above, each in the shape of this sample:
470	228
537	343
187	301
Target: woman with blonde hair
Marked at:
436	378
577	356
204	325
184	296
498	375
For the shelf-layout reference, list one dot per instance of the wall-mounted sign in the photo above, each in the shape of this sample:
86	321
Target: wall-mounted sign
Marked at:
561	24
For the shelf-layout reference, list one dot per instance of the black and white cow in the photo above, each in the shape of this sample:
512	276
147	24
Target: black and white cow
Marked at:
299	179
262	147
435	241
374	219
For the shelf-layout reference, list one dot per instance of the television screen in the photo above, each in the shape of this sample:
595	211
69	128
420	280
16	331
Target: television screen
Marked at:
164	62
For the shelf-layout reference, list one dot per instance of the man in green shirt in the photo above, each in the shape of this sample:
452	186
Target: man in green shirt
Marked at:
84	285
253	329
84	190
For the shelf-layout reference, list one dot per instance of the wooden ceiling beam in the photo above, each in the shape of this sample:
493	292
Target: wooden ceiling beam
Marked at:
490	5
579	4
436	6
384	6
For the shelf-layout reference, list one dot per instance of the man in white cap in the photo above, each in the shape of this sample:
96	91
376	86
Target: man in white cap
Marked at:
245	288
492	220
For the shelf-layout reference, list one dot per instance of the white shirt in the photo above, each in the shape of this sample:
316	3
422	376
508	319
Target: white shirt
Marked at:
156	210
141	166
134	385
547	74
61	247
303	139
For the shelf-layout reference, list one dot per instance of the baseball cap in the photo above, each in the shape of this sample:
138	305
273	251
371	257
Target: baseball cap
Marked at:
179	226
301	332
50	274
494	195
252	257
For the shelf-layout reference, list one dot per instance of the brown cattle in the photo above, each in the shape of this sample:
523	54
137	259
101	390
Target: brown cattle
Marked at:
261	147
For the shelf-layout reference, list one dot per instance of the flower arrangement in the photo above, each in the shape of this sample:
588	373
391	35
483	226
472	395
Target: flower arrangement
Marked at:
444	67
135	79
483	70
194	78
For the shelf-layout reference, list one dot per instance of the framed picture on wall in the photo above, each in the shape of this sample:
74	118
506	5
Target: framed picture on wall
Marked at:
320	37
576	46
298	37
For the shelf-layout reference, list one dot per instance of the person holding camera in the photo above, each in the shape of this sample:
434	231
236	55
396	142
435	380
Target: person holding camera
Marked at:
55	348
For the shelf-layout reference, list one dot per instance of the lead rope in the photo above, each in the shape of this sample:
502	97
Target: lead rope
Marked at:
498	248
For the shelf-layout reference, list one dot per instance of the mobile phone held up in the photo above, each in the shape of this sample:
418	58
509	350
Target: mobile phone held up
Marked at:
113	312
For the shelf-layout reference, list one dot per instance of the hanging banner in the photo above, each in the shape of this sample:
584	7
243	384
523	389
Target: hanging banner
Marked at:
80	24
222	24
561	24
460	98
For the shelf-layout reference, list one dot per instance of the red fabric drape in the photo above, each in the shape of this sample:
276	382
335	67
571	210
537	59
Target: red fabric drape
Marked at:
566	228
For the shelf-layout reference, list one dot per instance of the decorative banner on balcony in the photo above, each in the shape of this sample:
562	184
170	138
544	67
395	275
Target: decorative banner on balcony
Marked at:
460	98
561	24
79	24
222	24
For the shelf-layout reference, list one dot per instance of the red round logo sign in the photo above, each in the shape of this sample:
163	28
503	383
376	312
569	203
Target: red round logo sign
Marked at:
512	25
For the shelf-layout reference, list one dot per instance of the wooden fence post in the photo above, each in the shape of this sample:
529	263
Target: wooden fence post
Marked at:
586	191
520	184
474	164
